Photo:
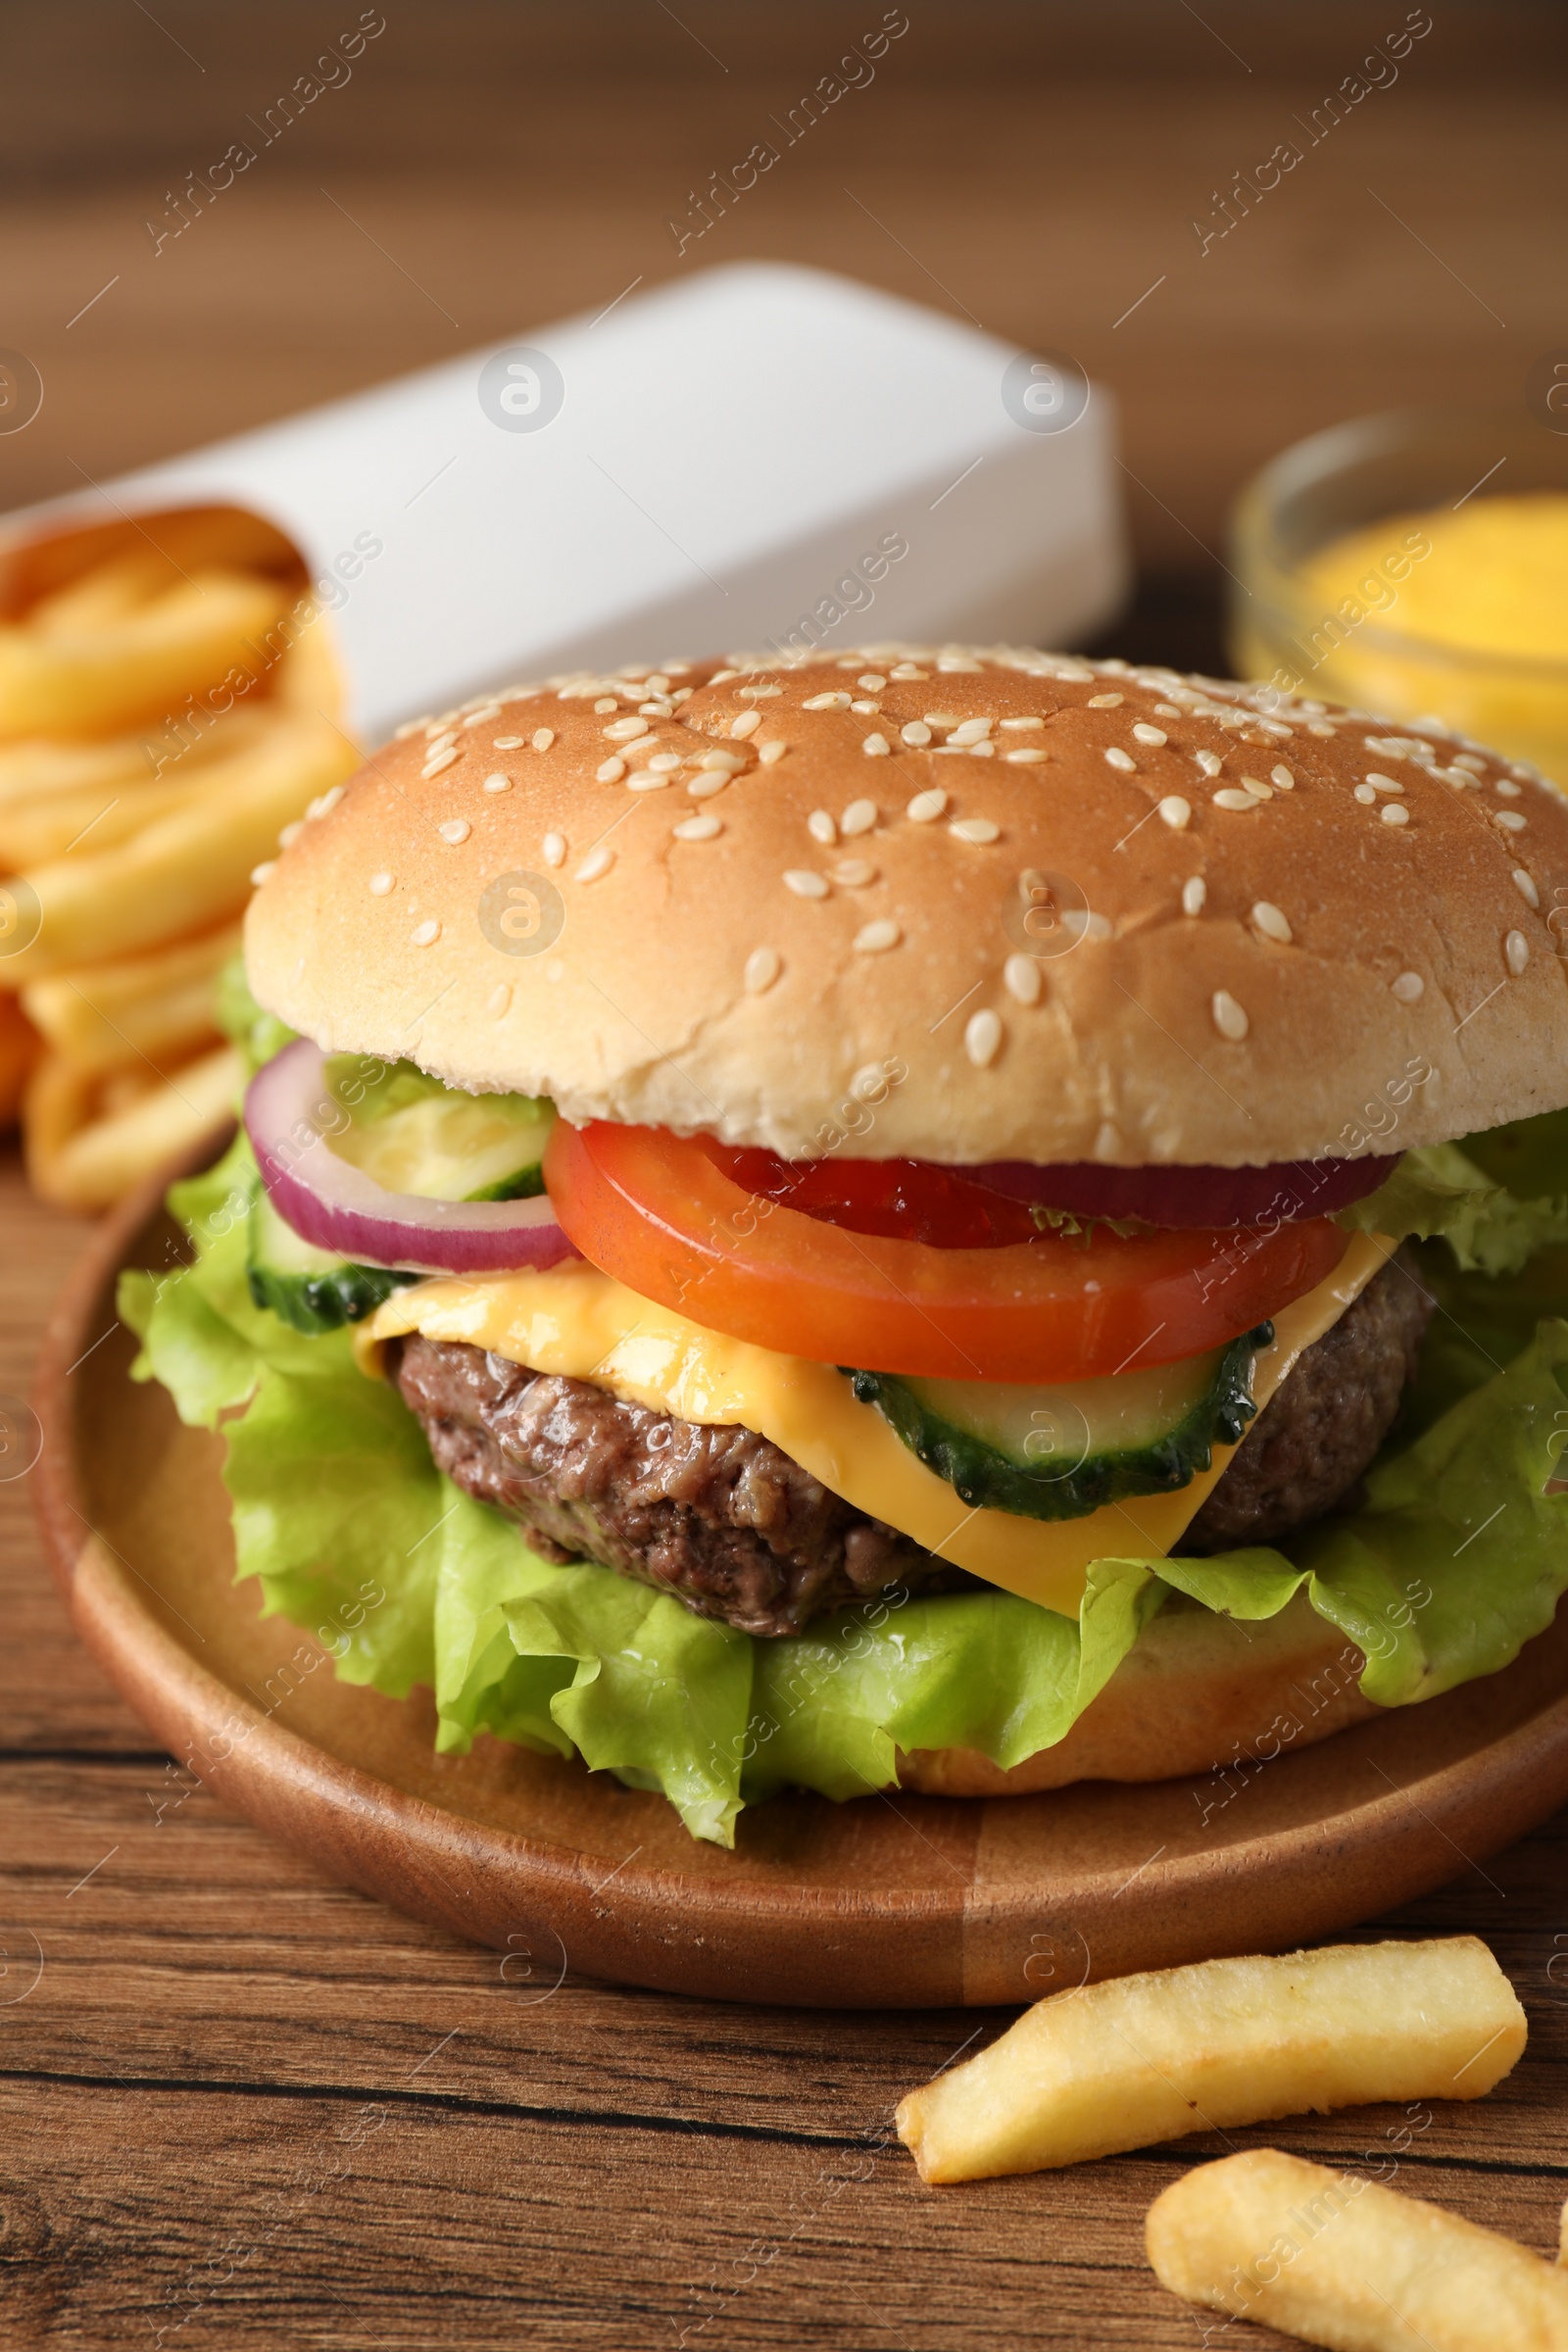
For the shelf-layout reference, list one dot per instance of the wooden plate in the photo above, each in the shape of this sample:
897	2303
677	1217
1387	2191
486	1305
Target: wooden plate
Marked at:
901	1901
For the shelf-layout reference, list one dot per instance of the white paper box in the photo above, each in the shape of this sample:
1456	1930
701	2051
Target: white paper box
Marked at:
725	452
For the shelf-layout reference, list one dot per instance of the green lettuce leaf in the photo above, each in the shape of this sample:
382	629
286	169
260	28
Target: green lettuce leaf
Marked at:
1444	1189
1456	1558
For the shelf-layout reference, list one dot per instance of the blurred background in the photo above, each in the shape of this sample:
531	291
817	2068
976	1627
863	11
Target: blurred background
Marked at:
1030	166
1250	223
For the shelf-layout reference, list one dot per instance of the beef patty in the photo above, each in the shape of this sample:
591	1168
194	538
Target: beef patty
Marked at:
725	1520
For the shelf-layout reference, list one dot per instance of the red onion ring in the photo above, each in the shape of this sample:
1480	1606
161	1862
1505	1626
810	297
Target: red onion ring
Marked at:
288	1117
1186	1195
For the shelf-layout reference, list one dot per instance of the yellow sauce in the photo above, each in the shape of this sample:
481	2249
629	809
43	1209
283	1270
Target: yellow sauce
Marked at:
1459	614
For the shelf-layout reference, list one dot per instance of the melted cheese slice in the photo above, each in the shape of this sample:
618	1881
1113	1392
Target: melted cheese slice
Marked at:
575	1321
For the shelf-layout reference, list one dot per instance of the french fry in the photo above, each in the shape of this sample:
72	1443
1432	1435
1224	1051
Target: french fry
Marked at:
19	1051
37	833
102	679
191	868
1145	2058
81	1161
1341	2260
157	1007
41	767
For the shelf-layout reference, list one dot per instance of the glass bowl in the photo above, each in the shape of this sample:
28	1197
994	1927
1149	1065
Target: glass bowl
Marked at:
1374	469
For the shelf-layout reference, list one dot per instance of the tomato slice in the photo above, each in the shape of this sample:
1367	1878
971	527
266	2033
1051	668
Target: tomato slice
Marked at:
657	1212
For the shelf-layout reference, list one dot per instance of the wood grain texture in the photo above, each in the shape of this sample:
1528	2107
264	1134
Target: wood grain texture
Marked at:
241	2106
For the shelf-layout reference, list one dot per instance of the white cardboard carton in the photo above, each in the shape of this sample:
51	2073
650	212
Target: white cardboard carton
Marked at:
755	456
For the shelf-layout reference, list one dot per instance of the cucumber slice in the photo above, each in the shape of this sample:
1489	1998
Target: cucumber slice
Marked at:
414	1135
309	1287
1059	1453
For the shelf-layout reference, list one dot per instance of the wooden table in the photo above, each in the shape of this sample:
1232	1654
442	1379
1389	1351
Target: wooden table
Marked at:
239	2105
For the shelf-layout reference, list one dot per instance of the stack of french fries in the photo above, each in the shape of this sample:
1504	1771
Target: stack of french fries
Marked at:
168	704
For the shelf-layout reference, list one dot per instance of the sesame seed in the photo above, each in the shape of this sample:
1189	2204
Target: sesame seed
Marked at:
1231	796
762	968
1023	723
872	680
751	693
973	730
325	802
940	718
873	938
1366	794
1027	757
426	934
826	702
909	669
1102	702
702	787
1320	726
926	806
858	818
916	732
1175	811
1409	988
663	763
626	730
610	771
1167	711
1148	734
1525	884
598	862
1022	979
804	883
984	750
1125	761
1477	767
1510	819
1382	783
554	849
876	747
1506	788
1393	814
1195	891
1210	762
820	826
747	723
854	872
982	1037
541	739
1257	788
730	762
701	827
651	778
770	751
980	830
454	831
1516	948
380	884
1283	777
264	873
607	702
513	743
866	707
439	739
291	833
439	762
953	661
1230	1020
1268	918
497	783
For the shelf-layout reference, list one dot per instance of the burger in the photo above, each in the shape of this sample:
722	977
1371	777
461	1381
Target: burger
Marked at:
960	1219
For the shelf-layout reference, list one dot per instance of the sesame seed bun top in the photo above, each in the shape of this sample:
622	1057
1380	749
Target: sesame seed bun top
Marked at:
968	904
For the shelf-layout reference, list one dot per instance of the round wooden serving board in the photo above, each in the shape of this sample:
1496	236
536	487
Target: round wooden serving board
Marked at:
890	1901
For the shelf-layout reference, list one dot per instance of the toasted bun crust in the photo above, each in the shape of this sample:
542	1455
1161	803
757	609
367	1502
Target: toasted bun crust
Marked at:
1197	1692
1088	951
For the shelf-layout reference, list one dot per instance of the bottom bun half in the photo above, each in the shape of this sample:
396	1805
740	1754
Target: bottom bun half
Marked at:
1197	1692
